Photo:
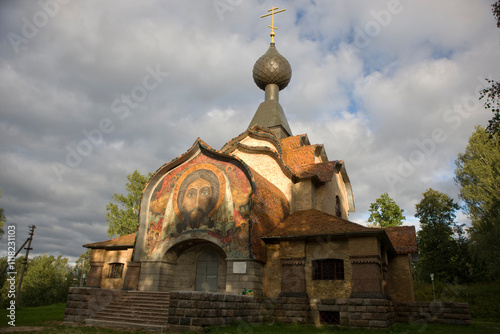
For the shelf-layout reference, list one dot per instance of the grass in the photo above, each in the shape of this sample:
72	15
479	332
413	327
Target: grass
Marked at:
475	328
34	316
483	298
49	319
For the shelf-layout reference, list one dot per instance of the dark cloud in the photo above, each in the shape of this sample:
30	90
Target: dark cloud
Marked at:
76	118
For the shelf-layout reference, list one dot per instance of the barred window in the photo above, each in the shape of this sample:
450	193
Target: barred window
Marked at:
328	269
115	270
329	317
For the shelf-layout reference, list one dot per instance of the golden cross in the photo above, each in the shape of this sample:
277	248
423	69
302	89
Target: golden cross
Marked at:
272	12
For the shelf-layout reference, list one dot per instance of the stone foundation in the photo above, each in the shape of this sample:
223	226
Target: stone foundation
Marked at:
84	303
355	312
192	310
433	312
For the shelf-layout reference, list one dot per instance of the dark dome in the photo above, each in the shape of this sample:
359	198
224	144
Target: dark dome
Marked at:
272	68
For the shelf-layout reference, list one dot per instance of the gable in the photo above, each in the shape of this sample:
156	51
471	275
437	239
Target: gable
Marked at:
203	194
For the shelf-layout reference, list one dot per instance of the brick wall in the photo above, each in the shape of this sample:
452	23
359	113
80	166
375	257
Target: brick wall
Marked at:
399	281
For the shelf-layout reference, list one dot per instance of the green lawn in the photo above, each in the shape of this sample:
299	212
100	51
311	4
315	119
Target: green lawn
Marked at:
476	328
50	319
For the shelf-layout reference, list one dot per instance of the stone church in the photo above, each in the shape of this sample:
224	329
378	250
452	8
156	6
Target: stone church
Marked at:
267	213
262	220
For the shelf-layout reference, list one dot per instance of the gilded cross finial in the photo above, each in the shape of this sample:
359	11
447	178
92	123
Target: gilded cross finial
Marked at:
272	12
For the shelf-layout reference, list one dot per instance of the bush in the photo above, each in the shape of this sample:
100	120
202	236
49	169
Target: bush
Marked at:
483	298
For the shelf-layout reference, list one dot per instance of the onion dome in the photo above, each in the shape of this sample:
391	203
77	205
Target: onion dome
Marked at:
272	68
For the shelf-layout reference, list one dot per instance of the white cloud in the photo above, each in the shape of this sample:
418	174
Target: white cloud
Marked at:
374	109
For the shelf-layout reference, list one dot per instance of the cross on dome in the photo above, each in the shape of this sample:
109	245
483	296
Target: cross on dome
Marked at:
272	12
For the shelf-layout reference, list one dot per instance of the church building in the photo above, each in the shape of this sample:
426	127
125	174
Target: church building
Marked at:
266	215
268	212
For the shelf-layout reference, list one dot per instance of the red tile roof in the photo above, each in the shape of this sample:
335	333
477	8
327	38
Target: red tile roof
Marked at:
324	171
403	238
269	208
312	222
291	142
125	241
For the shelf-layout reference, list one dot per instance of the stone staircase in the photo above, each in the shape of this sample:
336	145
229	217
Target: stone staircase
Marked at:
135	309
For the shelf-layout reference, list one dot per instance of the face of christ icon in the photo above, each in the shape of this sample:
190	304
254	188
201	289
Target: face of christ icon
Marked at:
198	195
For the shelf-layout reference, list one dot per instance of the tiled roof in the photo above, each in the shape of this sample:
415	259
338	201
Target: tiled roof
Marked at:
312	222
297	157
125	241
291	142
269	208
403	238
323	171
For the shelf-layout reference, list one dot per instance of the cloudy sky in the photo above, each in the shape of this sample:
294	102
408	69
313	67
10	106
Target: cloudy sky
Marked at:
92	90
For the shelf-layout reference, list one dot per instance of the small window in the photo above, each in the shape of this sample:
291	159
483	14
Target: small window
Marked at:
115	270
329	318
328	269
338	211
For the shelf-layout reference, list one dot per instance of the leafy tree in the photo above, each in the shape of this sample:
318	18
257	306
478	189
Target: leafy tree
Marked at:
122	218
4	291
45	281
82	267
2	219
385	212
492	93
478	174
438	250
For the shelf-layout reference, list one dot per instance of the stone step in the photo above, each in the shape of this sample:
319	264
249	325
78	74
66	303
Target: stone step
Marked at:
150	319
134	313
135	307
142	303
159	328
144	309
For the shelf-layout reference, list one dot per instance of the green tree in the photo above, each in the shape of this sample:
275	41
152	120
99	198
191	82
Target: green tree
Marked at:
2	219
478	174
122	218
5	288
81	268
385	212
46	281
438	250
492	94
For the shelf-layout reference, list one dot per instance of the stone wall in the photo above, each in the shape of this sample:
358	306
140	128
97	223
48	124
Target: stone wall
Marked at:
192	310
244	274
84	303
355	312
433	312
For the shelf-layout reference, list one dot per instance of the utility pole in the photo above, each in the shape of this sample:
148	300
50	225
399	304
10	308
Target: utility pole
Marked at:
32	231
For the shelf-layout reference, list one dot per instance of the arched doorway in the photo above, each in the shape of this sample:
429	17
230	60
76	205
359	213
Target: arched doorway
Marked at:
194	265
207	272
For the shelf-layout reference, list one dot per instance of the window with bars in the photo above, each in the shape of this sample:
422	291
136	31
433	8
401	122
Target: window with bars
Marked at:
115	270
328	269
329	318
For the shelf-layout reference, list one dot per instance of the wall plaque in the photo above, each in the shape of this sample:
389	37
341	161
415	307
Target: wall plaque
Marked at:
239	267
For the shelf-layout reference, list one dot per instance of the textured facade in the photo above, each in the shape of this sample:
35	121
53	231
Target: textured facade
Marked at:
267	215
